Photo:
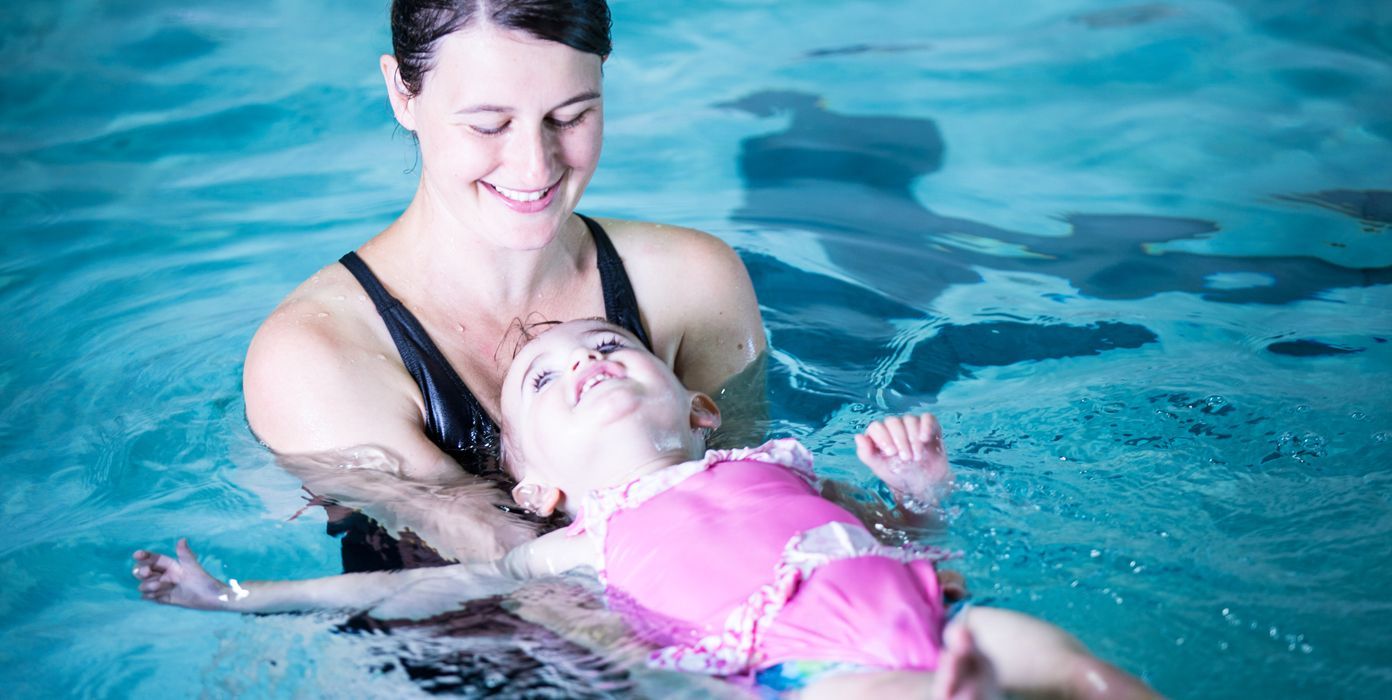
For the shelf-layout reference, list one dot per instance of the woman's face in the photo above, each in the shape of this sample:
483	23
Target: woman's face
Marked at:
510	128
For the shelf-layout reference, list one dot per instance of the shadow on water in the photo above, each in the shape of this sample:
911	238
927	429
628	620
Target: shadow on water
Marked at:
842	329
495	654
848	178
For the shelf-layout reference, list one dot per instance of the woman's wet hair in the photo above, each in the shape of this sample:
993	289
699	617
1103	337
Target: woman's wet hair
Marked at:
418	25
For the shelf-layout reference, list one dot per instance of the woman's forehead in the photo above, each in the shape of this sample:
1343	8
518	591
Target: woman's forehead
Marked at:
482	58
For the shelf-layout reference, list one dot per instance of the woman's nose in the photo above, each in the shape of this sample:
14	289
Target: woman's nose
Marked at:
531	156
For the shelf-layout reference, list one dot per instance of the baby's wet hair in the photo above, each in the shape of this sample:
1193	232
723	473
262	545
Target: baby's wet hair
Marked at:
529	329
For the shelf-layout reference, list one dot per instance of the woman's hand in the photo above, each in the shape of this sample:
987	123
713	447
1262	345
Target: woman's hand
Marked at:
181	581
906	452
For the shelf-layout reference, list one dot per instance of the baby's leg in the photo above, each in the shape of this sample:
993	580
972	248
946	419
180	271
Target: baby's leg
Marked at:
964	673
1036	659
875	684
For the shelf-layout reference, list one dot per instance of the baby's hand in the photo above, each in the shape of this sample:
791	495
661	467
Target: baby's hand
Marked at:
181	581
907	454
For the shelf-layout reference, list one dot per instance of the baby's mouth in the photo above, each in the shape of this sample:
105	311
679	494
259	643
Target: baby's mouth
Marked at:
596	376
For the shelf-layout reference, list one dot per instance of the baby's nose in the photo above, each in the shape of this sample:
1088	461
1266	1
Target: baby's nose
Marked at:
582	357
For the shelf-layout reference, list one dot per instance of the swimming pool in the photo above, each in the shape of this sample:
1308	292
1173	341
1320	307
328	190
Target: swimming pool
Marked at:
1135	256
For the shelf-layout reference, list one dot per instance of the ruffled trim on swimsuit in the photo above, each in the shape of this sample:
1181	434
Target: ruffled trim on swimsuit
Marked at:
736	649
601	504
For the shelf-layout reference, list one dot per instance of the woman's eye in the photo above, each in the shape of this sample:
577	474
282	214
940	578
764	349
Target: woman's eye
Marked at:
489	130
569	123
541	379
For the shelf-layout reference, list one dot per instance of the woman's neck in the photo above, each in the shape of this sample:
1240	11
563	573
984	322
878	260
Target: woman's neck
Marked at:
447	260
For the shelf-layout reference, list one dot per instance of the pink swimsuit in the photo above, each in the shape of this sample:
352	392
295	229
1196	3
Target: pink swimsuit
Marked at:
767	572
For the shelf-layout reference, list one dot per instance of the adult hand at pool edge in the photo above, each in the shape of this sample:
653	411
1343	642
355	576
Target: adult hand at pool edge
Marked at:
180	581
906	452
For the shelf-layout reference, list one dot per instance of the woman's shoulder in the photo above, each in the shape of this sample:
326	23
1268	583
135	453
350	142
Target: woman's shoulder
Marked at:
318	349
324	313
656	242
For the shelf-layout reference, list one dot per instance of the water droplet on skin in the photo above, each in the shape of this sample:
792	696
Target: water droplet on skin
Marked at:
362	297
380	356
339	297
323	314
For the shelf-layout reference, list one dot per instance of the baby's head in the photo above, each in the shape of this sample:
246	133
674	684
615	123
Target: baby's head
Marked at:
585	405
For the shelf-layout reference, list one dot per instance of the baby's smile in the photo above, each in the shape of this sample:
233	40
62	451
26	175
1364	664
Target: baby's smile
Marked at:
594	375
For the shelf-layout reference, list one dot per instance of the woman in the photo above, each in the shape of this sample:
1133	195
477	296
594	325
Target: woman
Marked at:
401	345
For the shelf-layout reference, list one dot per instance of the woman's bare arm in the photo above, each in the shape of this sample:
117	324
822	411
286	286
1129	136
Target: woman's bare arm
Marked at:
317	381
460	520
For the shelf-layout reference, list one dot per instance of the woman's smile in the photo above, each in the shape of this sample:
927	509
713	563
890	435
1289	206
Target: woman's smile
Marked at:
525	201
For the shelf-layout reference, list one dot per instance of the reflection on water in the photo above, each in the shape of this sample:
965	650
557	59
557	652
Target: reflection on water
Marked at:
848	178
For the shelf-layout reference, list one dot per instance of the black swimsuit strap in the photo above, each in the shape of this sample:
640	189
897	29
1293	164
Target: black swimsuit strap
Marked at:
620	302
379	295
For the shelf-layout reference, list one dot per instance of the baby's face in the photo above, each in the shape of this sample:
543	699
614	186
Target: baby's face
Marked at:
586	396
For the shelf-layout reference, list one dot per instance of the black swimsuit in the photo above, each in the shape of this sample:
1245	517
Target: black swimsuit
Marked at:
455	421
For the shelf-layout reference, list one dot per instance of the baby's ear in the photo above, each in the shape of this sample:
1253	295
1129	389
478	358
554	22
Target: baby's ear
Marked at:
536	498
704	412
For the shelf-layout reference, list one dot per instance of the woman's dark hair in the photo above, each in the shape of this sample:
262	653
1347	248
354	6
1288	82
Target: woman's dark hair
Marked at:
417	25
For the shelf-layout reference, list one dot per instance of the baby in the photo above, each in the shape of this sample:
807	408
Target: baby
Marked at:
730	562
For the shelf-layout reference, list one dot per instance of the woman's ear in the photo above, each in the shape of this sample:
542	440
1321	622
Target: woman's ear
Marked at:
402	101
704	412
536	498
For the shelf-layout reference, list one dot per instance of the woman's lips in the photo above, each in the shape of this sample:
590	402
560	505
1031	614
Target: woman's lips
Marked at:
525	201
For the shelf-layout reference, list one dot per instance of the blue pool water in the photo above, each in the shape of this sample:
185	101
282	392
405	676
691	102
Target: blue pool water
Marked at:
1135	256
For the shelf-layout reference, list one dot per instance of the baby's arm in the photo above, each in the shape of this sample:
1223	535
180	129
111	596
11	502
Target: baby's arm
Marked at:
906	452
182	581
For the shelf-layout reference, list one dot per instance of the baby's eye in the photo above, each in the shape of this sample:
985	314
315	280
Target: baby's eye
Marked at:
610	344
541	379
